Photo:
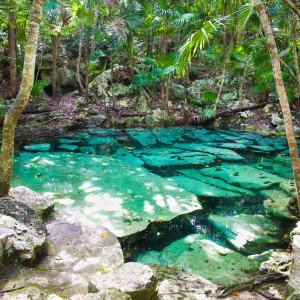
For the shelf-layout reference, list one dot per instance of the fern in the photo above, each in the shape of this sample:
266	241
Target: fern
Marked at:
196	102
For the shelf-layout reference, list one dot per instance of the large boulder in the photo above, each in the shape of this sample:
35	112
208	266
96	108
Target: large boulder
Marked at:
118	90
97	120
136	280
65	79
36	108
22	232
177	92
42	206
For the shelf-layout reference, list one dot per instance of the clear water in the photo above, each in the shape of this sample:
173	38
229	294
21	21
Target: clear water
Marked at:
56	182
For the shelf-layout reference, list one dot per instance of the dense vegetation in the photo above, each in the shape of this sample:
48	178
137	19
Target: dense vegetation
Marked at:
157	42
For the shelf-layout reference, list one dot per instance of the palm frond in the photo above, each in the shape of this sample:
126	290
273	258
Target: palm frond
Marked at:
195	41
245	13
184	19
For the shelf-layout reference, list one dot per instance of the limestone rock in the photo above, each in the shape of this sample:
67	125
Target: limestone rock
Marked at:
107	294
229	97
245	176
118	90
143	136
248	233
35	108
42	206
68	147
31	293
278	262
22	231
176	283
177	92
289	186
106	189
292	290
136	280
97	120
38	147
276	120
205	258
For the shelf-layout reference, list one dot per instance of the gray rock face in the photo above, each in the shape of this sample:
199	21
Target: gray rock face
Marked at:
22	233
248	233
42	206
292	290
137	280
108	294
97	120
118	90
34	108
278	262
78	249
177	92
176	283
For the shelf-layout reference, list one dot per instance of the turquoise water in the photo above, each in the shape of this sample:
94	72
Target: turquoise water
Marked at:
165	191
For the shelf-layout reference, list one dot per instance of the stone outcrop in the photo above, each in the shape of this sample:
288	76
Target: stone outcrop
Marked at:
137	280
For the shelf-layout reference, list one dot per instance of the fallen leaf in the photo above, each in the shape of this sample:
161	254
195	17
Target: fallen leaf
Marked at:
62	238
159	221
162	218
105	235
87	177
236	293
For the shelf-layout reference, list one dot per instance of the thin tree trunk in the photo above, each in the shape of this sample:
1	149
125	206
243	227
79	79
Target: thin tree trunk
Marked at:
93	43
293	6
131	56
296	64
164	41
78	67
281	94
86	56
54	49
167	98
242	82
163	94
224	69
13	90
12	116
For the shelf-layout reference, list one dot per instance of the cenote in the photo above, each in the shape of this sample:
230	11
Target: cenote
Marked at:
213	202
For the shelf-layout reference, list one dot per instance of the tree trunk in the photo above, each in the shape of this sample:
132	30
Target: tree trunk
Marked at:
131	56
281	94
86	57
242	83
164	41
12	116
163	94
54	49
224	69
78	79
167	98
293	6
93	43
13	90
294	36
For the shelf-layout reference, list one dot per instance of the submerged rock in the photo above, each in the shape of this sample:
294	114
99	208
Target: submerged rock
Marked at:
248	233
164	136
143	136
277	203
136	280
213	181
202	189
278	262
205	258
123	197
68	147
67	141
221	153
38	147
245	176
101	141
128	157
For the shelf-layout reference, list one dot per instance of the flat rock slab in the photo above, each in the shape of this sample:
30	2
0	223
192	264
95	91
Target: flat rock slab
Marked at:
83	135
213	181
178	159
144	136
277	204
41	205
244	141
248	233
263	148
87	150
101	141
135	279
127	157
202	189
107	190
78	248
204	258
233	146
67	141
68	147
221	153
245	176
38	147
22	232
105	132
289	186
164	136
